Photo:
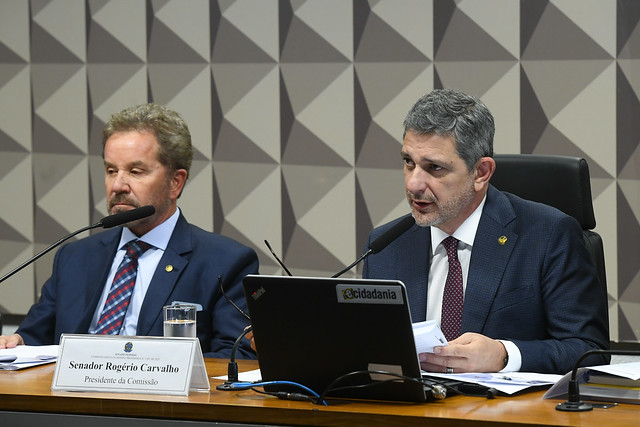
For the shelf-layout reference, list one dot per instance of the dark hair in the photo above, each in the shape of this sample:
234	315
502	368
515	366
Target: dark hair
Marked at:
449	112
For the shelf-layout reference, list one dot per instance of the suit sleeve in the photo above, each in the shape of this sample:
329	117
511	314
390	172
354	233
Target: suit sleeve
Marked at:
227	322
575	312
38	327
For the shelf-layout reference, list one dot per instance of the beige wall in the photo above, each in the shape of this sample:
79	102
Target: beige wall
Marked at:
296	107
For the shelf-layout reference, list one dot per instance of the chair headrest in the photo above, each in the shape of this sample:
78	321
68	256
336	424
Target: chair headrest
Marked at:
560	181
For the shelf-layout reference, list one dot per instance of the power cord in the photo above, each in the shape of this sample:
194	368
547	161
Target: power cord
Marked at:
312	396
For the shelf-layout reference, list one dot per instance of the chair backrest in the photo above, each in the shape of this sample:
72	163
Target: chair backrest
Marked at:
559	181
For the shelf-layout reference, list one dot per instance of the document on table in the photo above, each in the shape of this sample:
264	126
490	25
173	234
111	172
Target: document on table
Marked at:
248	376
507	382
26	356
623	370
428	335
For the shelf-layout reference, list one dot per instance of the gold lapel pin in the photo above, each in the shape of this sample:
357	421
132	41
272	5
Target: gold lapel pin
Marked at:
168	268
502	240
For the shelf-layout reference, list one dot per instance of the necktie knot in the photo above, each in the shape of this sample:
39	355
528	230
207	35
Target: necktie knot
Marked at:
451	246
135	249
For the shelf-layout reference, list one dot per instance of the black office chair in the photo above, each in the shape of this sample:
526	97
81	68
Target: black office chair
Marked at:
559	181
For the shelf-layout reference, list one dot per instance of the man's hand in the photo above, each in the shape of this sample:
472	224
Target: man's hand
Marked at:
470	352
10	341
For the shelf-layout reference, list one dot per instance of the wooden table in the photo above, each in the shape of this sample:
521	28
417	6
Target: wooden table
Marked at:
29	391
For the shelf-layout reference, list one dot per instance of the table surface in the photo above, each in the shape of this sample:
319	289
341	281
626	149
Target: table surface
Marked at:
30	390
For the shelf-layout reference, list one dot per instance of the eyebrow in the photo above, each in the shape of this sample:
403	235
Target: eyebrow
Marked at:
134	164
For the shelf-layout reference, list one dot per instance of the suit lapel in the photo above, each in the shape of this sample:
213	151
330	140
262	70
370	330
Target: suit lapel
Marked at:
100	262
412	267
492	248
165	278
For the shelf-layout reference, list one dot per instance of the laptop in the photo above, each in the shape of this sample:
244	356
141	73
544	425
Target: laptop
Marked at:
313	330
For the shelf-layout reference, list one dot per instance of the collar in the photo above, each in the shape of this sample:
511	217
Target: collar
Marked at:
466	233
157	237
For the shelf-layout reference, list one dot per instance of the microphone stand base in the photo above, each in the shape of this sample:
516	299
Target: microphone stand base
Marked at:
574	406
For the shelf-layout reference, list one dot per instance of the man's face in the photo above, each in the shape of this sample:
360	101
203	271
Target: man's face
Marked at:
439	187
134	177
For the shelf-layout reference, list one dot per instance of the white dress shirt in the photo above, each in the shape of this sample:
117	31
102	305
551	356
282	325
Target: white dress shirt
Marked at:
439	269
147	263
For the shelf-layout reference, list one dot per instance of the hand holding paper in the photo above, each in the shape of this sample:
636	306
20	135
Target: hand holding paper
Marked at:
427	335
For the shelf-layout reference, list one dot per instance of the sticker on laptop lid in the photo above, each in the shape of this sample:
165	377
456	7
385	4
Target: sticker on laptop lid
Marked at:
369	294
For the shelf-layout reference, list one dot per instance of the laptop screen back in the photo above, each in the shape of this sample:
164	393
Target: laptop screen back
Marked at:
313	330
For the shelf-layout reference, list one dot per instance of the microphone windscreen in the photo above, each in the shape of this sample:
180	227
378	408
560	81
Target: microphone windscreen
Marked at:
127	216
391	234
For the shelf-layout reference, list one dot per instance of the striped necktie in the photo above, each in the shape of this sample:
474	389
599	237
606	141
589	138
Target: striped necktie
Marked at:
117	302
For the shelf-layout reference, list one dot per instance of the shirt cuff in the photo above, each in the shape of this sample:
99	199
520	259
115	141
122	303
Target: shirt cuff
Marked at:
515	358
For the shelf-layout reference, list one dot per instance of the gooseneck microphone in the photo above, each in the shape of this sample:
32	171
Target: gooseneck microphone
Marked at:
382	241
573	403
125	217
277	259
232	368
106	222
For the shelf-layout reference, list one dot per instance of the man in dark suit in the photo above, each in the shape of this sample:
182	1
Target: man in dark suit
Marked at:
529	294
147	155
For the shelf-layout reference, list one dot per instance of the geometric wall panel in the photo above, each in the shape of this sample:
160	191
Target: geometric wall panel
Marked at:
296	107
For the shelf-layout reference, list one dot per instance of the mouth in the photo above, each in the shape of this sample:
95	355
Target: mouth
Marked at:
421	204
121	206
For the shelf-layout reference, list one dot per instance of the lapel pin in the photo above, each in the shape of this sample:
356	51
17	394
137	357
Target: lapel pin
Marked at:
502	240
168	268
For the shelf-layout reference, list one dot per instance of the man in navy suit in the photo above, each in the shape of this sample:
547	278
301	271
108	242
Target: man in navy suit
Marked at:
531	296
147	155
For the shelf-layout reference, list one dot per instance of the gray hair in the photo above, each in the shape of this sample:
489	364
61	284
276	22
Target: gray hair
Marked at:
169	128
449	112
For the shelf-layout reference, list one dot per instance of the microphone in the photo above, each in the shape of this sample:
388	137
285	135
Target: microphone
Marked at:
382	241
125	217
573	403
106	222
232	367
277	259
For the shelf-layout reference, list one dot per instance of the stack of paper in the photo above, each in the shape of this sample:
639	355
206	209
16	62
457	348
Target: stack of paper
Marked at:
608	383
25	356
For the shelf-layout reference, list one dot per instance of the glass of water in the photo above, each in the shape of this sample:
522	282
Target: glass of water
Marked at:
179	320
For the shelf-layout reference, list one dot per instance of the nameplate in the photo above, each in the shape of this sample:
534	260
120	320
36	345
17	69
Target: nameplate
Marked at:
129	364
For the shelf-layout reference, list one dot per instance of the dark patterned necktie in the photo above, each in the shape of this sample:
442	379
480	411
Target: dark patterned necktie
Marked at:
453	297
117	302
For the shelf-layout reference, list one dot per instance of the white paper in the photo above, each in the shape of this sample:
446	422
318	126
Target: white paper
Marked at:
28	356
627	370
508	383
245	377
427	334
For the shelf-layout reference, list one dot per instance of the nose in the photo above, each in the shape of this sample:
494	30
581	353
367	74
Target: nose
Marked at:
119	183
416	181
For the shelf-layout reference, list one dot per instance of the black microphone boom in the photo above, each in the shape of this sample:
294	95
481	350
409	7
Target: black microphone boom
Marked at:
382	241
573	403
126	216
106	222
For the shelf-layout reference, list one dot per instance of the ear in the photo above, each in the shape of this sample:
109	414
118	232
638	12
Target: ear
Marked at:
483	171
178	180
